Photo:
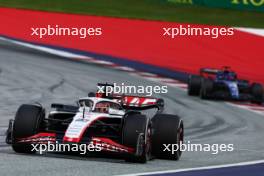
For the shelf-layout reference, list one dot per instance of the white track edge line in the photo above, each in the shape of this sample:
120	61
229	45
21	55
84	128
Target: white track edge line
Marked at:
198	168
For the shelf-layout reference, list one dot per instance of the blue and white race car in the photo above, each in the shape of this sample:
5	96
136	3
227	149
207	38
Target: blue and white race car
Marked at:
224	84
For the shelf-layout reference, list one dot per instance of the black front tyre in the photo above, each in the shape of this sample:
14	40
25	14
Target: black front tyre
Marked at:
257	93
167	130
27	123
137	134
206	88
194	85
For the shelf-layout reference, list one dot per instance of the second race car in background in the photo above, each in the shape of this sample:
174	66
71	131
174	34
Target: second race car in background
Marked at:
224	84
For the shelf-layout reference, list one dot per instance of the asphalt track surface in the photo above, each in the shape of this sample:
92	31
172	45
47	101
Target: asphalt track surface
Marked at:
29	76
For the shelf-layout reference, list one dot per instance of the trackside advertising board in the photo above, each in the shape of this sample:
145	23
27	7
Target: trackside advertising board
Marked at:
254	5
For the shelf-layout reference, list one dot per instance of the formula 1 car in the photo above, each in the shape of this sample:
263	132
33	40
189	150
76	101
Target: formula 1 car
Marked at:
114	122
224	84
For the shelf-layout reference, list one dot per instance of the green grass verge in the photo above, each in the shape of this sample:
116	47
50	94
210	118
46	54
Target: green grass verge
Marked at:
145	9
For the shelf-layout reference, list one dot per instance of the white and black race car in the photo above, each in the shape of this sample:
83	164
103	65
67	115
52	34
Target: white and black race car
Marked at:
115	122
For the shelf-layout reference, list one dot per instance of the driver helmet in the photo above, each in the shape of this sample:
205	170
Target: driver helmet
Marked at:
102	107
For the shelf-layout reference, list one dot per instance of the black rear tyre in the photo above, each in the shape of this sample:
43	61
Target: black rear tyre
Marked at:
167	129
194	85
136	134
206	88
27	122
257	93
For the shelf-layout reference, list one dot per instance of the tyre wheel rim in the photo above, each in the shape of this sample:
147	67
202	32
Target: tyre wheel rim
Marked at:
148	143
180	141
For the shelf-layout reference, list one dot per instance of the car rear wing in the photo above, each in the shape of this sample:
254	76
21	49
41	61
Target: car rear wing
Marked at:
132	102
214	71
142	103
208	71
211	72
